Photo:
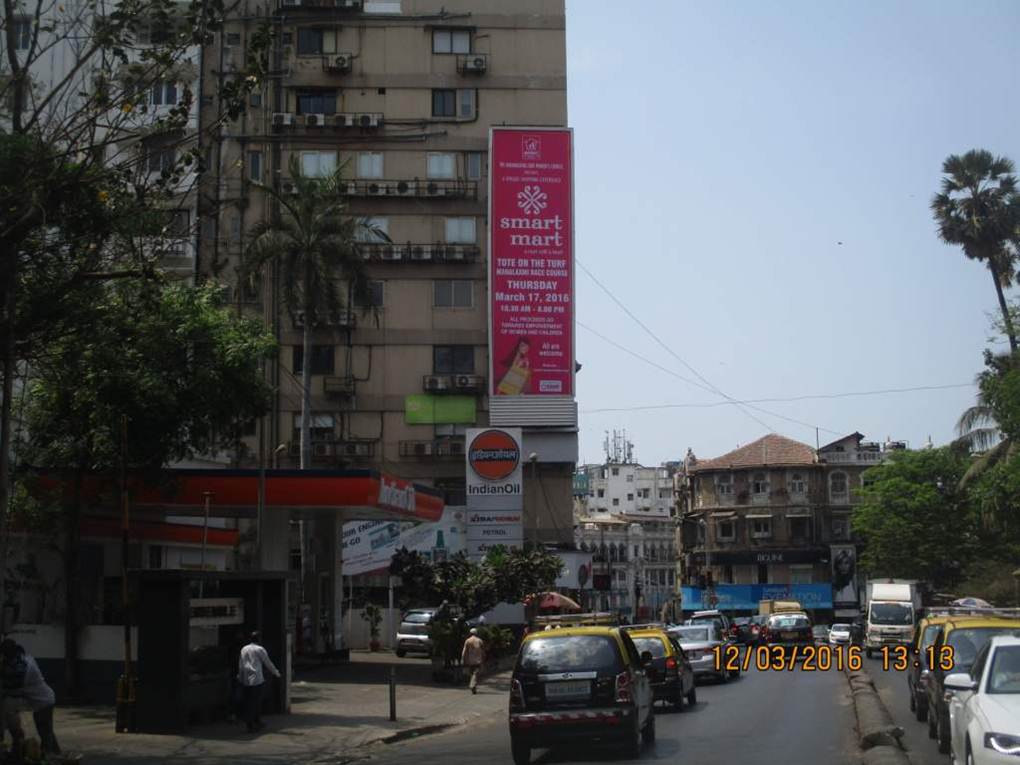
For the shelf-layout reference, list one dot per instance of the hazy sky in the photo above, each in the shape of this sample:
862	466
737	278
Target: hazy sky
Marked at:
752	182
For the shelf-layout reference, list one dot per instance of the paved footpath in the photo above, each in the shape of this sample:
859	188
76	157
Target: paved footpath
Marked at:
334	711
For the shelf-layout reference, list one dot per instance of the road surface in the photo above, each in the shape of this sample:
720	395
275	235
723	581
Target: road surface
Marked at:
892	687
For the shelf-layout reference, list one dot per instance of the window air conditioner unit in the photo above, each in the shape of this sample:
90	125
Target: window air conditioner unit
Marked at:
436	383
405	188
341	62
322	450
315	120
469	381
475	64
367	120
390	253
419	252
283	118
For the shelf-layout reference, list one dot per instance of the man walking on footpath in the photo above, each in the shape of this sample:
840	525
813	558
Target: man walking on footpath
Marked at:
249	674
472	657
24	689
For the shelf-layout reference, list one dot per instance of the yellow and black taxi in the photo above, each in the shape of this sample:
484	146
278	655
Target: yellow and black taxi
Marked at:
580	682
954	648
670	673
925	633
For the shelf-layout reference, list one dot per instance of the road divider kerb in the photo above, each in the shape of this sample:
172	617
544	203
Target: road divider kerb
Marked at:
878	735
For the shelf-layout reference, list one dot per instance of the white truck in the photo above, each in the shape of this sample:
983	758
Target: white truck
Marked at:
893	607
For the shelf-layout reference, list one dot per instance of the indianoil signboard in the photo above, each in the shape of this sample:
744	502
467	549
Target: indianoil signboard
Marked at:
531	262
495	496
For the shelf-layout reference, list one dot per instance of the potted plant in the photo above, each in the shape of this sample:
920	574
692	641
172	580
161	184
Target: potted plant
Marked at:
373	615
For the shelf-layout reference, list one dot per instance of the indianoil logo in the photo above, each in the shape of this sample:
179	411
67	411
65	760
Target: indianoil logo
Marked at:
494	455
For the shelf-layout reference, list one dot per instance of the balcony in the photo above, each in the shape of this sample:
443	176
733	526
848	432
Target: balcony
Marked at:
353	6
333	451
419	253
453	384
411	188
444	448
320	121
342	319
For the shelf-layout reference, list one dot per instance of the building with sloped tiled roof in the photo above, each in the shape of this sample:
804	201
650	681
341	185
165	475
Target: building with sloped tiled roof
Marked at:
771	519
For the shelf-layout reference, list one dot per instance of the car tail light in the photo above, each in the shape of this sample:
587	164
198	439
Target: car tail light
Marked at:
624	688
516	695
754	628
670	663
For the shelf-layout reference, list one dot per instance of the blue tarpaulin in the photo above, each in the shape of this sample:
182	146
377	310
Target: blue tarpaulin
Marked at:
745	597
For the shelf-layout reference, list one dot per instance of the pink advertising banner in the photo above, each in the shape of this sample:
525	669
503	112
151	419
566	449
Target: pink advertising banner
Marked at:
531	262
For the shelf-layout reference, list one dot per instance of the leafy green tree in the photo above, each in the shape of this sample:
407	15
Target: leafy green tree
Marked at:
315	239
913	520
978	209
156	375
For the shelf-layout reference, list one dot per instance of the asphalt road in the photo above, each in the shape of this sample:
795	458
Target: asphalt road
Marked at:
764	717
892	687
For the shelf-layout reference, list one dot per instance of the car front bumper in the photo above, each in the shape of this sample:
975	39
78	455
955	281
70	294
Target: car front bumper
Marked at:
420	643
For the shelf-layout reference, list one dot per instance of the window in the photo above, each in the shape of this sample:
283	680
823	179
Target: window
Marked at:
374	230
798	485
233	39
665	493
160	158
837	487
440	165
318	164
163	94
453	359
630	478
616	471
177	229
616	502
630	497
724	484
800	528
761	528
447	102
316	102
474	165
451	41
255	165
801	574
460	231
726	531
321	426
374	297
759	484
235	228
370	164
313	41
763	573
840	528
602	493
255	99
449	293
22	34
322	359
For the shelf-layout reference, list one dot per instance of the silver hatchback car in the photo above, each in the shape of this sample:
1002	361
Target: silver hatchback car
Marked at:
413	632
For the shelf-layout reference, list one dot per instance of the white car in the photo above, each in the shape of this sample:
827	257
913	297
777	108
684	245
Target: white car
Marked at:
839	634
984	705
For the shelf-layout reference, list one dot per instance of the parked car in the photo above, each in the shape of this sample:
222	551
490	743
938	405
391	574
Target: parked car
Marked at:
413	632
840	634
574	684
670	673
924	635
790	629
721	621
701	642
984	706
964	636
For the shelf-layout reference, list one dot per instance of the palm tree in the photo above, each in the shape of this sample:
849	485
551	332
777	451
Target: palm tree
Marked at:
979	209
315	240
979	432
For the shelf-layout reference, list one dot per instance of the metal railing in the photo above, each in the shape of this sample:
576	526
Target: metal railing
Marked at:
419	253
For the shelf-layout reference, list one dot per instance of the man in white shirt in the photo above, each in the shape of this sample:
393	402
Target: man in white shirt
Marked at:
250	664
24	689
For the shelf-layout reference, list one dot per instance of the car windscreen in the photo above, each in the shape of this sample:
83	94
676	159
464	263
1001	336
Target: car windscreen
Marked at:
1004	675
789	623
891	613
967	641
653	644
417	617
694	634
573	653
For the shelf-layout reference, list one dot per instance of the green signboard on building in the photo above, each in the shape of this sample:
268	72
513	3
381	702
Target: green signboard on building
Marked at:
423	409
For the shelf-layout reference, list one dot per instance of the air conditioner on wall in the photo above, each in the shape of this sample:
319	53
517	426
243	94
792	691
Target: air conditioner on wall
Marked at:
377	189
475	64
283	118
322	450
343	120
315	120
419	252
405	188
341	62
435	190
454	253
437	383
390	253
367	120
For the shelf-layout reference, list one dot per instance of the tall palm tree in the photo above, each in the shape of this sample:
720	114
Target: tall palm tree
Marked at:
979	432
314	238
979	209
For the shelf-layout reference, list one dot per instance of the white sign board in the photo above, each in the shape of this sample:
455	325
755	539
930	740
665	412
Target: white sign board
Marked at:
479	549
369	545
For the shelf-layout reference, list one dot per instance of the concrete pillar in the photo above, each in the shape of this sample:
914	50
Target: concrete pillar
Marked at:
274	551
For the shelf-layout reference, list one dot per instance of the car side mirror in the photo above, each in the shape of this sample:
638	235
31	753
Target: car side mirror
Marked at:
646	659
959	681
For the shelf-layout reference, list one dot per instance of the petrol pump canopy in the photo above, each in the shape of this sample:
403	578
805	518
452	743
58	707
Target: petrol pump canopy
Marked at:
345	494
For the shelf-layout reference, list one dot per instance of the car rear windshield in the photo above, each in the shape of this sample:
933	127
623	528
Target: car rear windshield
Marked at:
790	622
967	641
653	644
573	653
694	634
418	617
840	627
1005	671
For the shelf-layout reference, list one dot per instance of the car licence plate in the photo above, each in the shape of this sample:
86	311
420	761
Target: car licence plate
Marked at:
788	635
568	690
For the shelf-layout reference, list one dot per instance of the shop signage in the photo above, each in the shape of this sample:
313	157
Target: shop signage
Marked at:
746	597
213	612
751	557
531	257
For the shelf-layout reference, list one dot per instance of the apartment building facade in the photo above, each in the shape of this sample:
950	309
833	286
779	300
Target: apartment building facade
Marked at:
774	516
